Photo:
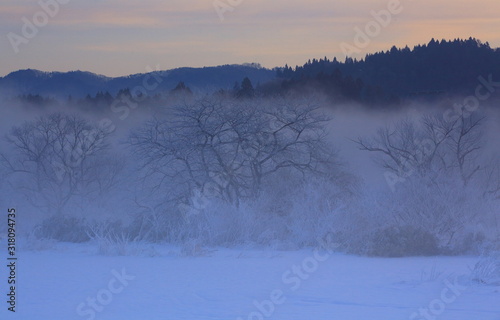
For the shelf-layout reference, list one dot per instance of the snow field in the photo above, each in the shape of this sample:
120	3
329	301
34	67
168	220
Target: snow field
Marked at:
70	281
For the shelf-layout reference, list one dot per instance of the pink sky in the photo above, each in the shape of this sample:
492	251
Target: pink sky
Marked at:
121	37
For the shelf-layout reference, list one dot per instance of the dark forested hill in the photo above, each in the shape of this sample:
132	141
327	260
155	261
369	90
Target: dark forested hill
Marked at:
437	68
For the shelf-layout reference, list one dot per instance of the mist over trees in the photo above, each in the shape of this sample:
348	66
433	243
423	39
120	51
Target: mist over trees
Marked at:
227	171
233	147
229	152
441	191
259	164
57	158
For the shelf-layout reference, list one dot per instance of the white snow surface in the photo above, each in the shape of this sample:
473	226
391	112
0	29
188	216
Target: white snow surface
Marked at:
163	283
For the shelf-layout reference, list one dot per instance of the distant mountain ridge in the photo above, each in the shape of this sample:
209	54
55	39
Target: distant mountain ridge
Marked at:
81	83
437	71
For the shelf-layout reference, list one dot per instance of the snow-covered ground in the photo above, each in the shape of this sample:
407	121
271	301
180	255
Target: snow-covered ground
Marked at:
71	281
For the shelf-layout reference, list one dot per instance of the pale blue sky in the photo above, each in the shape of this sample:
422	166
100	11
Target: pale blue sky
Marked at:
121	37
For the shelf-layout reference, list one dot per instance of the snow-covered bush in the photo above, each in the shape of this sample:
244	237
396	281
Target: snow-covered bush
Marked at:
112	239
290	212
487	270
35	243
453	219
400	241
156	224
63	228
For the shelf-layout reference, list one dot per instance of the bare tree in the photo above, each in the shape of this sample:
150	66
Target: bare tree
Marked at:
429	147
227	148
56	158
491	176
465	143
448	184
